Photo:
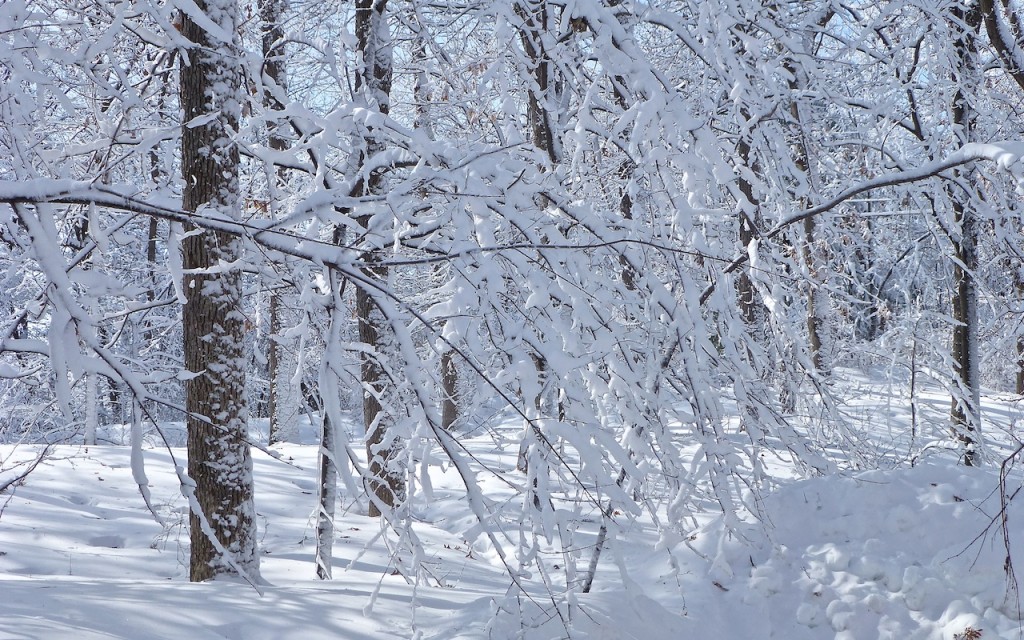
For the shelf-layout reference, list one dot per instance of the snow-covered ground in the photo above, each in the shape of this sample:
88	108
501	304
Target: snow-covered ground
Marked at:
896	551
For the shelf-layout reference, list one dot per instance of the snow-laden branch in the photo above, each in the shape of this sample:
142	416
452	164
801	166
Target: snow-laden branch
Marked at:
1006	155
199	16
55	191
1004	32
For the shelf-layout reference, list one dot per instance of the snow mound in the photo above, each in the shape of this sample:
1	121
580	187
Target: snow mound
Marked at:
899	554
913	553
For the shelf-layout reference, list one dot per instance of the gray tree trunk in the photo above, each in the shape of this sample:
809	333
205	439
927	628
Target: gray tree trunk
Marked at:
328	499
283	397
449	390
541	101
92	415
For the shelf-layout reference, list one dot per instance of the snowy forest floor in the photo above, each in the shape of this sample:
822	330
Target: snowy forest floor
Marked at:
883	549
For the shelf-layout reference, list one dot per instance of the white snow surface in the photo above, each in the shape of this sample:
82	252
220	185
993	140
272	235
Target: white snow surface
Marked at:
901	553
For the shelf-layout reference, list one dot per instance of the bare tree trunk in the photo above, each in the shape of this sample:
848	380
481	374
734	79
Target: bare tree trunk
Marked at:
151	242
423	95
273	368
812	296
538	111
92	416
449	390
966	406
328	499
156	172
1020	366
541	99
77	240
386	483
328	463
222	520
1019	288
1000	21
282	405
751	307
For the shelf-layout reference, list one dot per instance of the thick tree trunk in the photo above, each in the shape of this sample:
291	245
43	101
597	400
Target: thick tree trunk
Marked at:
813	298
329	382
1020	366
151	243
1002	23
538	110
92	415
223	524
385	483
273	369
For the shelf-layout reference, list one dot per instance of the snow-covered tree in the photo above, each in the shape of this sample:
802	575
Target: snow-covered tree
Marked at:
223	516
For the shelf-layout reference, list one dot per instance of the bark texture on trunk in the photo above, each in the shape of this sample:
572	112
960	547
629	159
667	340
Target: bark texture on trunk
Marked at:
283	396
751	306
223	530
966	406
449	390
328	498
386	479
1018	278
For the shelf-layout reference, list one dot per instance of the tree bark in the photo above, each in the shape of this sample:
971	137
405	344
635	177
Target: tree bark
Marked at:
328	498
966	406
1018	278
543	94
282	405
1004	29
802	160
1020	366
274	432
449	390
222	519
534	14
385	484
751	307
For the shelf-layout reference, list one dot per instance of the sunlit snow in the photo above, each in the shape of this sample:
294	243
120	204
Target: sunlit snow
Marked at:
895	551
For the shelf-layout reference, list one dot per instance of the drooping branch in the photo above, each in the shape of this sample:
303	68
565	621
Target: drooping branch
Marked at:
1007	155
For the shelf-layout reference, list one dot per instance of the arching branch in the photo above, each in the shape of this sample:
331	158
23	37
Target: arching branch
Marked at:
1006	154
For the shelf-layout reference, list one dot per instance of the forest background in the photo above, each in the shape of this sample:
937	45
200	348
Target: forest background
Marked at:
658	236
